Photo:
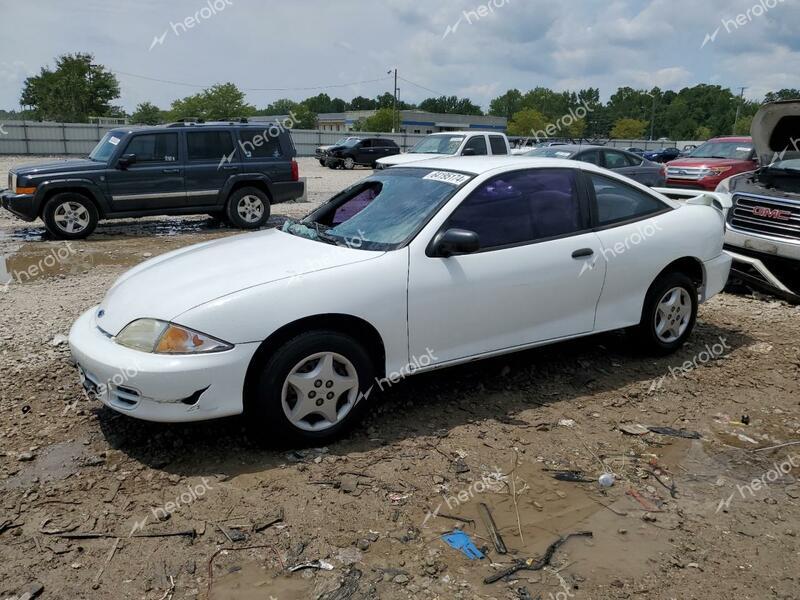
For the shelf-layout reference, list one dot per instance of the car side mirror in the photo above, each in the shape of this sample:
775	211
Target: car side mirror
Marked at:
469	152
455	241
126	160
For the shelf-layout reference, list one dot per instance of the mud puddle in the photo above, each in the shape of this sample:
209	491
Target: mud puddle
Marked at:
53	463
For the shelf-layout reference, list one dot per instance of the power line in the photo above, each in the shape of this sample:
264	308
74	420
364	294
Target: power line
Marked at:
422	87
281	89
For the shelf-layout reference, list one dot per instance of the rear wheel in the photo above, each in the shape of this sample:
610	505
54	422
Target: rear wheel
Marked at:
248	208
310	390
70	216
669	314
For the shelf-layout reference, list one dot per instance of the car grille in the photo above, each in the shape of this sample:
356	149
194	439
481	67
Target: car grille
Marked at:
684	173
769	216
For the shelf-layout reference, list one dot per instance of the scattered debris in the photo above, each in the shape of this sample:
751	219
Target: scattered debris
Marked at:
745	419
111	553
673	490
567	422
345	591
314	564
682	433
572	477
776	447
634	429
531	564
460	540
606	480
494	533
262	525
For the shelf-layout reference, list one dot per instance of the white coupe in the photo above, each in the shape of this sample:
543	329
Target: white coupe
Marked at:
411	269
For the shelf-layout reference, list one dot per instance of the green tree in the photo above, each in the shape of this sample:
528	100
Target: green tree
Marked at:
381	121
628	129
147	113
743	125
506	105
74	91
282	106
528	123
221	101
303	117
361	103
784	94
451	105
702	133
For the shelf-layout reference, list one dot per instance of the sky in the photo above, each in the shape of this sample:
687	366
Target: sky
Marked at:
440	47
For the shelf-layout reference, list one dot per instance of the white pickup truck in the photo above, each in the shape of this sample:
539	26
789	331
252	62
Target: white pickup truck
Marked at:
451	143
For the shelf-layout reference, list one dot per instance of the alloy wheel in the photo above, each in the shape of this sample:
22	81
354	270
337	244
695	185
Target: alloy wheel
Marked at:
673	315
250	208
71	217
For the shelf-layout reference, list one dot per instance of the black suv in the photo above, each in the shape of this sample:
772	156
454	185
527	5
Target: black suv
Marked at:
231	170
354	151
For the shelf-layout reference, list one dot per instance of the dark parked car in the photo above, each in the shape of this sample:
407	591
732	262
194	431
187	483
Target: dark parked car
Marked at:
320	152
626	163
234	171
635	150
360	152
662	155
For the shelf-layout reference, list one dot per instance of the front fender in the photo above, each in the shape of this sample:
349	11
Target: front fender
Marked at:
46	188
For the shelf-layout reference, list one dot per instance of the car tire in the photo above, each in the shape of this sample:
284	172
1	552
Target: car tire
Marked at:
349	163
332	164
247	208
70	216
322	163
346	377
669	314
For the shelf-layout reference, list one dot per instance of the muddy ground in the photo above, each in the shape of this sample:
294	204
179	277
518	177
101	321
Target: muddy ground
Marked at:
96	505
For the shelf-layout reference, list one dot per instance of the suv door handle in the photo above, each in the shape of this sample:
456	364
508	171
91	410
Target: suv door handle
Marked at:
229	168
582	253
170	170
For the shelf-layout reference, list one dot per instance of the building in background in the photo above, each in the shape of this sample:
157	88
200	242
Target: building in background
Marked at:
414	121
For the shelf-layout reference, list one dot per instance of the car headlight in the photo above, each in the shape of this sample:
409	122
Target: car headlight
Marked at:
161	337
713	171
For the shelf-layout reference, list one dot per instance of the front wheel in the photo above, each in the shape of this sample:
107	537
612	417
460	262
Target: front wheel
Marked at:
310	390
349	163
247	208
70	216
669	314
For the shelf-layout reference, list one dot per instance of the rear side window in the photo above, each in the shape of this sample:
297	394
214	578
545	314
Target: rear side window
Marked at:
366	143
478	144
521	206
590	156
154	147
615	160
259	144
498	144
209	145
618	201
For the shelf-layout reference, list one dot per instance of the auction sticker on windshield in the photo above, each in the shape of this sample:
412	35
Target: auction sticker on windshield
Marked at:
447	177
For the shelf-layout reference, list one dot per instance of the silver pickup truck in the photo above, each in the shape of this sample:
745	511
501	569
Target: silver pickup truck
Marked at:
762	207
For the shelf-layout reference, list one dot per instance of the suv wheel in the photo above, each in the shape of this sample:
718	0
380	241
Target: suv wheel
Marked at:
248	208
349	163
309	390
70	216
669	315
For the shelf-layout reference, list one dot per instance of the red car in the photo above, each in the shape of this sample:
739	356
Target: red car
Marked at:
712	162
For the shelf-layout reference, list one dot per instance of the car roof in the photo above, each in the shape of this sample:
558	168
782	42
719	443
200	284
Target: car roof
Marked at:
732	138
472	132
478	165
572	147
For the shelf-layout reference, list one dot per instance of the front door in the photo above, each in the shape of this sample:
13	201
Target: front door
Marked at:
154	180
534	278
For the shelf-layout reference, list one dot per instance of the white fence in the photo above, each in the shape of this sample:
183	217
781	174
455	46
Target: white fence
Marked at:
33	137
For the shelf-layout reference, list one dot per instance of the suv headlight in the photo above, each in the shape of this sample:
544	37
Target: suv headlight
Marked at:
713	171
161	337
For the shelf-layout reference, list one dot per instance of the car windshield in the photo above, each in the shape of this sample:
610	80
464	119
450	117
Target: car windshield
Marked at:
791	165
550	152
736	150
383	211
349	143
438	144
105	147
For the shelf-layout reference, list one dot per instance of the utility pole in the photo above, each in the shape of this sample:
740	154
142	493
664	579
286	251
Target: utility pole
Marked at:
738	109
653	118
395	120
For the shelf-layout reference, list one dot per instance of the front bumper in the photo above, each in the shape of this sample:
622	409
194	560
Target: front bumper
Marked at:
716	273
693	184
157	387
286	191
22	205
765	262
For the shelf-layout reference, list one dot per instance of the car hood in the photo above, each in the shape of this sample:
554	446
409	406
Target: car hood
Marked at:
169	285
60	167
402	159
706	162
776	131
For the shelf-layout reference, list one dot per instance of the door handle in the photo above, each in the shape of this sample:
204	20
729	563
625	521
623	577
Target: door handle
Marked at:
229	168
582	253
170	170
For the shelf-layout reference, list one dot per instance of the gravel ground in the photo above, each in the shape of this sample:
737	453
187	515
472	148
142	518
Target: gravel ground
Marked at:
96	505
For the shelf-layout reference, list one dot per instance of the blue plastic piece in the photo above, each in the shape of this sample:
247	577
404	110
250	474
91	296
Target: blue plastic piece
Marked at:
461	541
